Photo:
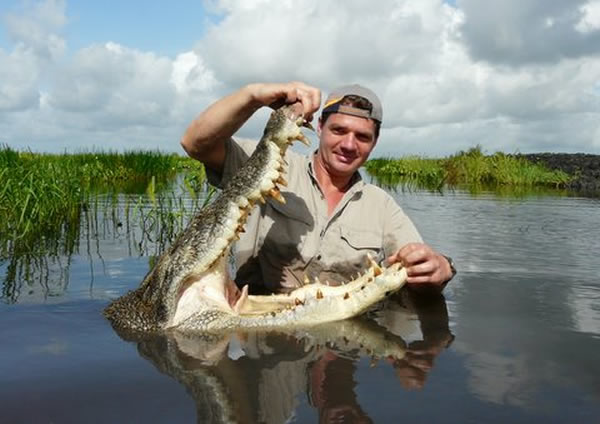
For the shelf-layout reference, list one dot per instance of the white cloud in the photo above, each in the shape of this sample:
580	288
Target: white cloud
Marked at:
117	85
37	43
38	28
323	42
190	74
19	77
517	32
590	17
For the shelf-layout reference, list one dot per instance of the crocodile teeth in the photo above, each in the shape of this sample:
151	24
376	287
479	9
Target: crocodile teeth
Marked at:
280	180
273	173
304	139
377	270
304	123
276	194
266	185
242	202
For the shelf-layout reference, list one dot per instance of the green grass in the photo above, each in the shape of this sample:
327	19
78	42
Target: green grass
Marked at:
53	205
472	168
42	196
410	170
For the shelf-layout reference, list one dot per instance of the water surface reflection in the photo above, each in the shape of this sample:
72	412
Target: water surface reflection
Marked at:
262	376
524	309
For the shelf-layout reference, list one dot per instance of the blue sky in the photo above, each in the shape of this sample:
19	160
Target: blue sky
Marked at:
509	76
147	25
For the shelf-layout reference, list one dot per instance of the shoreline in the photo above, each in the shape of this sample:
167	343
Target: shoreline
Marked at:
584	167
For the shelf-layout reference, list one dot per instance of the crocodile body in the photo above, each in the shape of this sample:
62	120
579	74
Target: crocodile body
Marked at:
189	287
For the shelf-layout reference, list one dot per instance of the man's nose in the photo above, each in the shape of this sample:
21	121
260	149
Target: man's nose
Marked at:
349	142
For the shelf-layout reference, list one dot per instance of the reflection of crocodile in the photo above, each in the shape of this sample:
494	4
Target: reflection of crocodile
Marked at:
189	288
258	376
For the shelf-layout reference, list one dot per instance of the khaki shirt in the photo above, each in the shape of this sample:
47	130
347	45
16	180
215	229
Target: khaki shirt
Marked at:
284	243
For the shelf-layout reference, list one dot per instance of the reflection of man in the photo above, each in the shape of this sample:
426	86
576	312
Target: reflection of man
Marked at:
332	379
331	215
432	314
332	390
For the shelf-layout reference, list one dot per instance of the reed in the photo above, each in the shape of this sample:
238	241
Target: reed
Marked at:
471	167
50	205
407	171
43	195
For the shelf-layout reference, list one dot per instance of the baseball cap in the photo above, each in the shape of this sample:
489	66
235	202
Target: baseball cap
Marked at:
333	102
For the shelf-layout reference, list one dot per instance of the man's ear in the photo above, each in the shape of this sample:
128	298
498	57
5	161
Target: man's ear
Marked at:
319	125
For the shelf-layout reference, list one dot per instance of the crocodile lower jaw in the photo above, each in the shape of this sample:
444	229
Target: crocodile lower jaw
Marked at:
214	293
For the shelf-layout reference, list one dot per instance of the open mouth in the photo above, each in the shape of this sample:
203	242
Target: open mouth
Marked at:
218	290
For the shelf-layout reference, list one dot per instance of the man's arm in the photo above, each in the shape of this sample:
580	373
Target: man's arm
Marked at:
205	138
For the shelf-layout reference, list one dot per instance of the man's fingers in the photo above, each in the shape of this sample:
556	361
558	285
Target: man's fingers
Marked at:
423	264
292	92
418	279
422	268
412	254
311	100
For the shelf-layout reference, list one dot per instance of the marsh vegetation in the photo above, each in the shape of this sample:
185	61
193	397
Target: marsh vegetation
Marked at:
50	203
53	206
471	169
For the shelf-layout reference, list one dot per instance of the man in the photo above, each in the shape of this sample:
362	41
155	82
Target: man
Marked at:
331	218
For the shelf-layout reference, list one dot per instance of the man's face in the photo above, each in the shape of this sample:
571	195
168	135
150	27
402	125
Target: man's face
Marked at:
345	143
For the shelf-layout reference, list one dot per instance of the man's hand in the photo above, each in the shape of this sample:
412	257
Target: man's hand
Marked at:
206	136
276	94
423	264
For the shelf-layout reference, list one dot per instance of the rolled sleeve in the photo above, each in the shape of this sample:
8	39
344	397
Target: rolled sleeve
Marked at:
237	153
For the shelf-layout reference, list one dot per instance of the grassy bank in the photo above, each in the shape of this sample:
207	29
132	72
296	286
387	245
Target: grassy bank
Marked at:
42	196
471	168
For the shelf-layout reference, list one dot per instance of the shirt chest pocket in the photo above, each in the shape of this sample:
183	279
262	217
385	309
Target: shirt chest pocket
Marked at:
362	242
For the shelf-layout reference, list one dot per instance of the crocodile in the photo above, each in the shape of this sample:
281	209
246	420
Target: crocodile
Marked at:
189	288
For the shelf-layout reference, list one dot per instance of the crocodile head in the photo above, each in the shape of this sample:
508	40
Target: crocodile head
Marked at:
189	287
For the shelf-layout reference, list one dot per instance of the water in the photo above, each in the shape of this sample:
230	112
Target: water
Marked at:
515	338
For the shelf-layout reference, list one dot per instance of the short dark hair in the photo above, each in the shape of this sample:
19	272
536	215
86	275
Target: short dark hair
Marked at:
357	102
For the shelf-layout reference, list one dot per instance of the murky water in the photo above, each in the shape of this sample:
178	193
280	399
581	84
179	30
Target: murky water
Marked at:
515	338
